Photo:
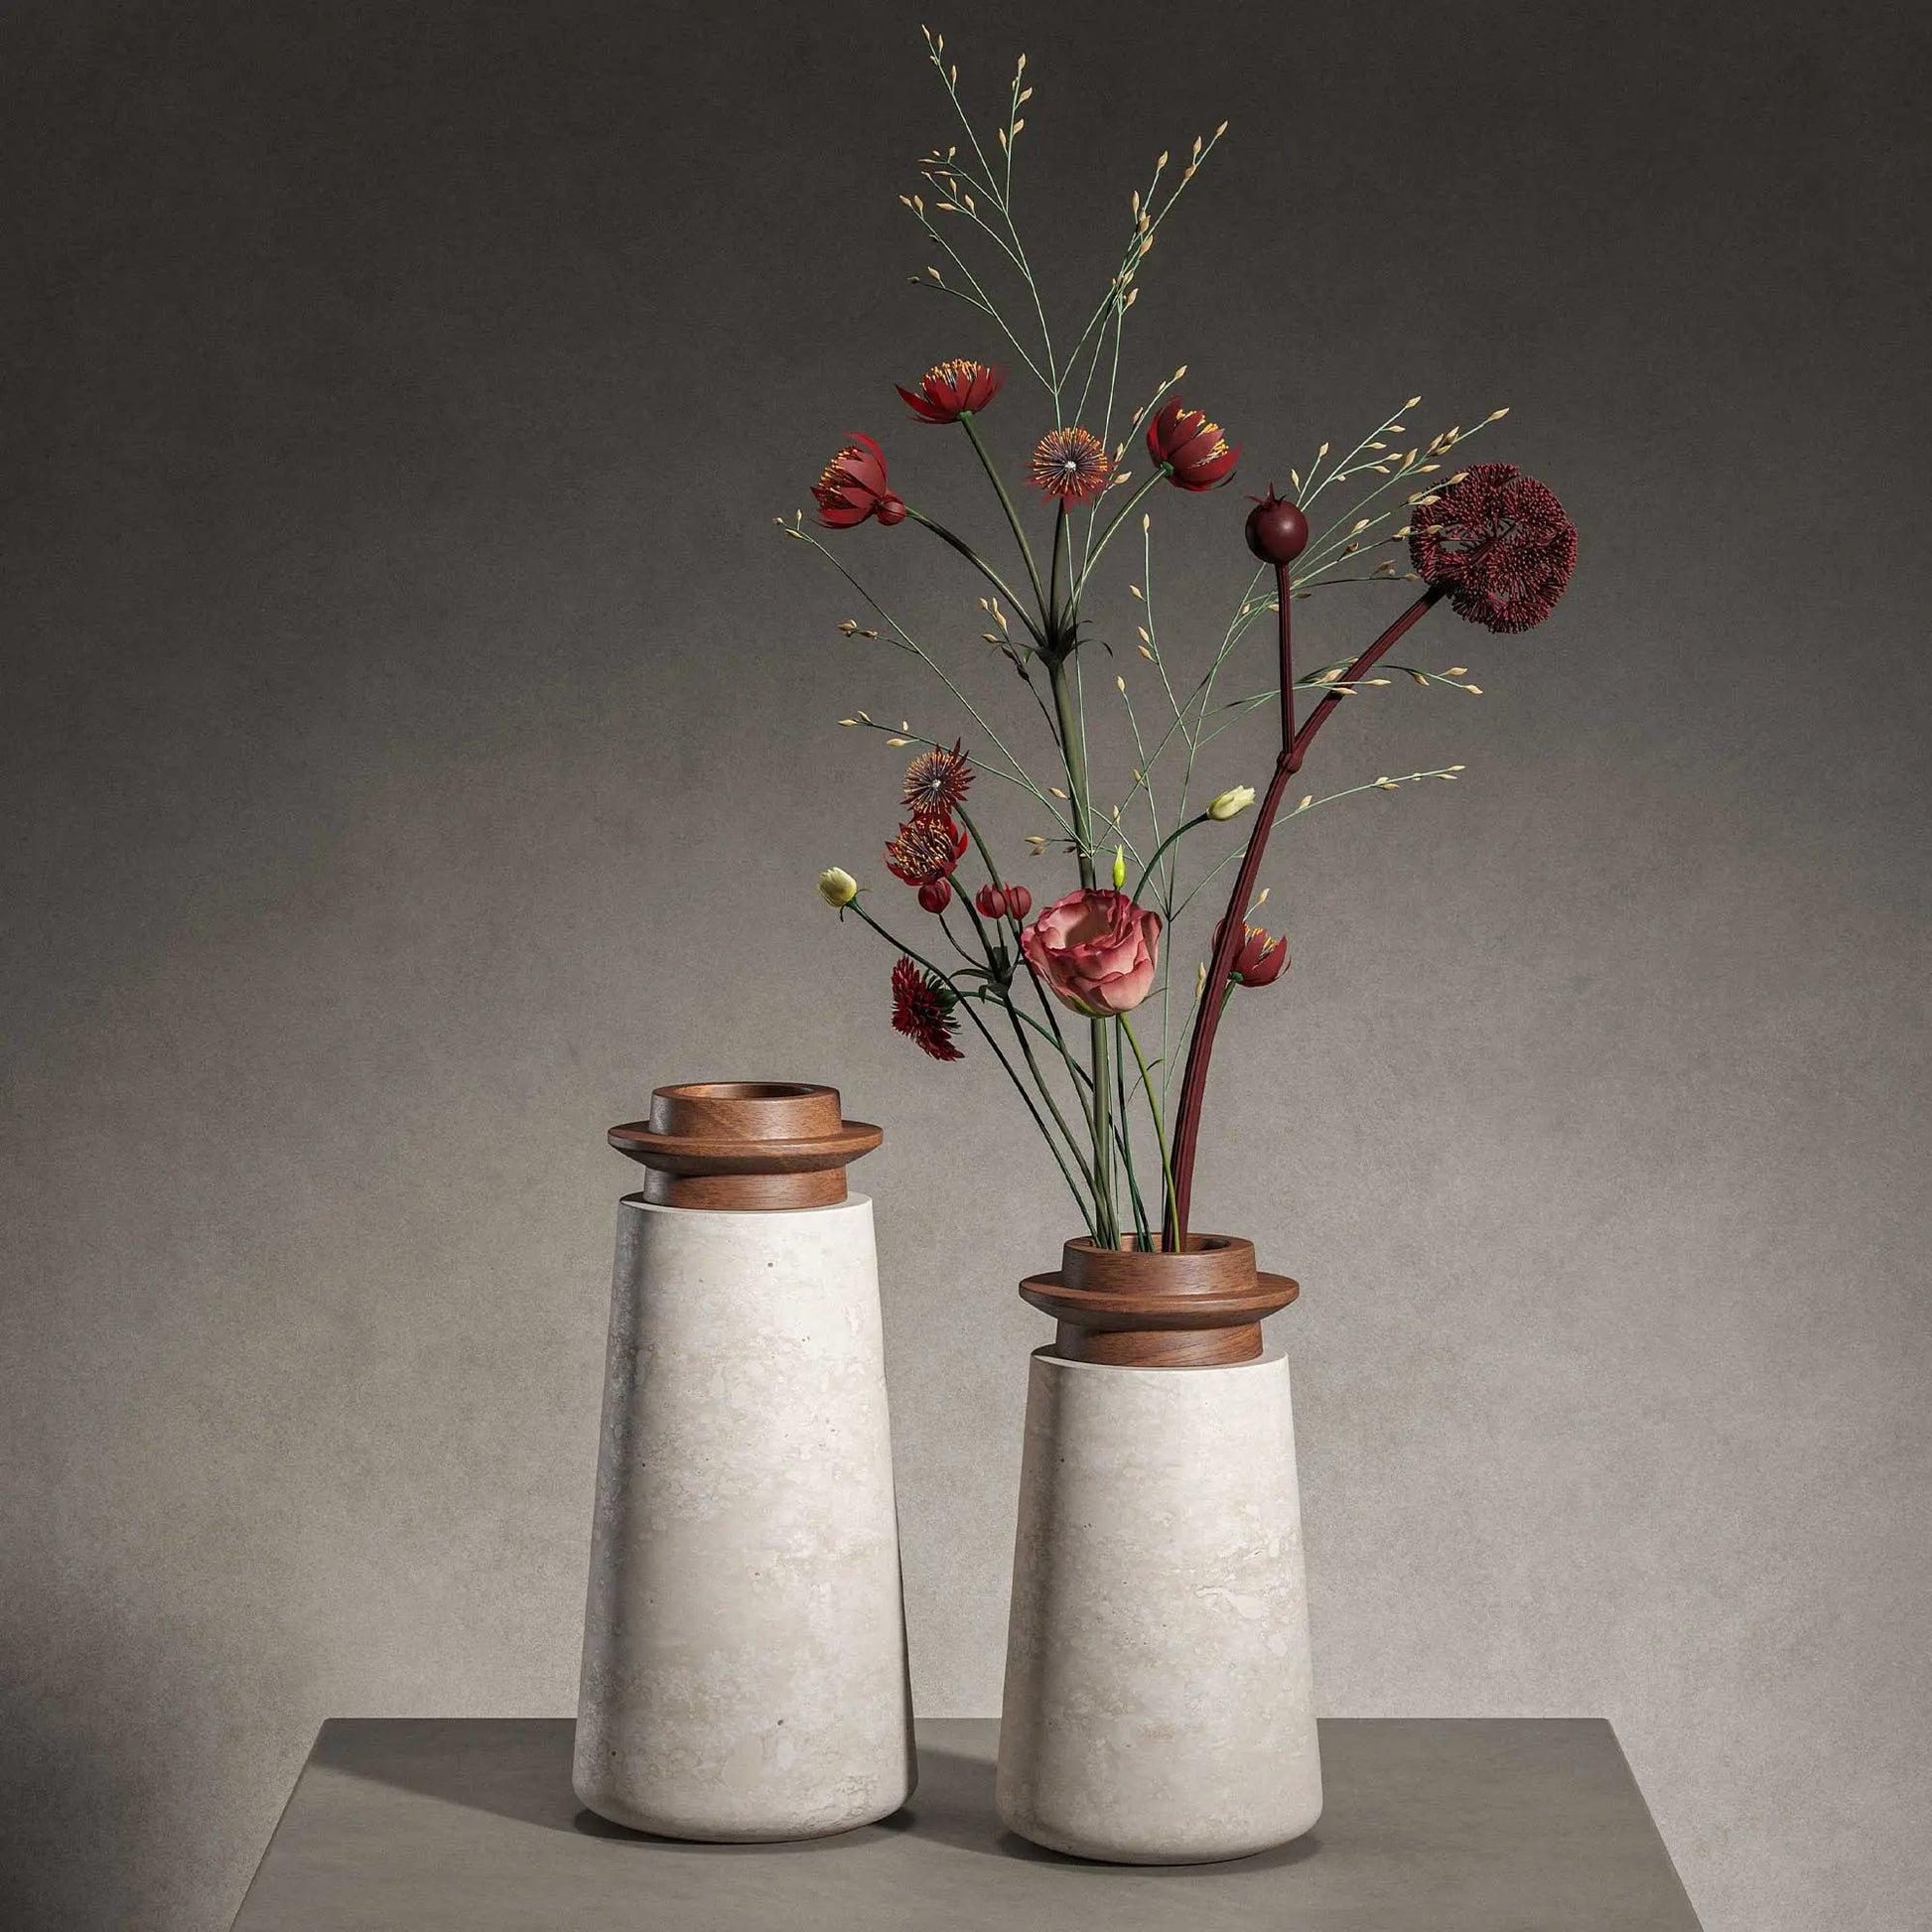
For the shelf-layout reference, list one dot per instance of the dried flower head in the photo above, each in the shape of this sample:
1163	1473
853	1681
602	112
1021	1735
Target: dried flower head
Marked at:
852	487
1500	543
924	850
950	390
1072	465
937	782
922	1009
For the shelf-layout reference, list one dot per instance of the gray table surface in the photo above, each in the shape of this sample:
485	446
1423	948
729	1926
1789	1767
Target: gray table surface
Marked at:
1430	1825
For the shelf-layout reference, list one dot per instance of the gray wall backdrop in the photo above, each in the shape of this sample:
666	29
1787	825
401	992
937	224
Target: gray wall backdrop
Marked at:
418	743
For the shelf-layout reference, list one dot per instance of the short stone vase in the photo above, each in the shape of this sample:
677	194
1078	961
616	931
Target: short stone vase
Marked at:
1158	1697
745	1671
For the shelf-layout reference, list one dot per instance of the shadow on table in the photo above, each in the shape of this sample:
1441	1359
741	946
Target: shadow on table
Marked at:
954	1806
520	1770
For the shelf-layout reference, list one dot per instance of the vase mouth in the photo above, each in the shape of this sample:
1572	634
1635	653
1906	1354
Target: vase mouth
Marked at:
746	1144
1209	1264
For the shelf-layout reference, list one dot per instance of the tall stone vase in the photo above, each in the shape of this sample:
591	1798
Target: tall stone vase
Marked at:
1158	1702
743	1671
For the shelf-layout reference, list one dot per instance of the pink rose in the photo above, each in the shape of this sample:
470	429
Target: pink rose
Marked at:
1096	950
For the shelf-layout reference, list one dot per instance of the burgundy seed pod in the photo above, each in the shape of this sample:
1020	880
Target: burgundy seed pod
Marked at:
1277	532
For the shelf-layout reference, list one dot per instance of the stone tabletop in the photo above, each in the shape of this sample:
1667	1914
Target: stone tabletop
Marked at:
1430	1825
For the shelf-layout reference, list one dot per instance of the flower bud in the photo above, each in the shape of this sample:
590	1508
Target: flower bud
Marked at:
835	886
1019	901
1277	532
992	903
1235	800
1120	867
936	895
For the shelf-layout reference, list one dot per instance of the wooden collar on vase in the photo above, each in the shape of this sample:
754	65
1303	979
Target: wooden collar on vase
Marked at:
1200	1308
745	1143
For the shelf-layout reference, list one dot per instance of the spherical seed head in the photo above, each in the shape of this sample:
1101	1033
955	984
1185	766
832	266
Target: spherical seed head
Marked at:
1277	532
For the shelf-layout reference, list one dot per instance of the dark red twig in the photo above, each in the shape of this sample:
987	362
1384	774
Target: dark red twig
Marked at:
1227	938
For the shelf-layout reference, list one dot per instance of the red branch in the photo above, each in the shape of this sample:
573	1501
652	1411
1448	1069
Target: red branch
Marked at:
1229	936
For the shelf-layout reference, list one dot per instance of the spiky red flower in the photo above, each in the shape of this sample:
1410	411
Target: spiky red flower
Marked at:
950	390
924	850
1261	957
1071	463
1194	450
851	486
922	1008
1500	543
936	782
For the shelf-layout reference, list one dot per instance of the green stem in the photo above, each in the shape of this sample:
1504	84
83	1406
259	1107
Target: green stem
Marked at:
1154	1108
1106	1224
985	1032
1187	825
1127	509
1127	1145
1013	515
979	564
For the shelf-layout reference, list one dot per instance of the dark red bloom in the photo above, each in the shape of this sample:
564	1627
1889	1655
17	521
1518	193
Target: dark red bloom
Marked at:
922	1008
1501	544
1261	957
852	487
924	850
1019	901
1277	532
937	782
1072	465
936	895
992	903
1196	451
950	390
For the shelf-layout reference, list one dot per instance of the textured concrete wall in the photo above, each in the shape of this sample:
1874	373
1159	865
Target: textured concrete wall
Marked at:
416	742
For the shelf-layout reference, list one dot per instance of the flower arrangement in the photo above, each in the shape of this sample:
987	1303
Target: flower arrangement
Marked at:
1073	985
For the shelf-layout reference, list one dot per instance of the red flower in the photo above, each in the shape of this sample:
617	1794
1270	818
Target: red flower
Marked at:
852	487
936	782
1500	543
922	1010
1194	450
924	850
1261	957
1096	950
1072	465
950	390
936	895
1019	901
997	902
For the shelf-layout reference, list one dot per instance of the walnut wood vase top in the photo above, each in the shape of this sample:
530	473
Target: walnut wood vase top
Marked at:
745	1143
1198	1309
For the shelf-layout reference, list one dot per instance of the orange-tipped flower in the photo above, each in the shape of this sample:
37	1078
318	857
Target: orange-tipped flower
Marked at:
950	390
1194	450
1261	957
852	487
924	850
1072	465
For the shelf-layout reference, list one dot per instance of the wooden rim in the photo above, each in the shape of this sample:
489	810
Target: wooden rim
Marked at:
1202	1307
745	1143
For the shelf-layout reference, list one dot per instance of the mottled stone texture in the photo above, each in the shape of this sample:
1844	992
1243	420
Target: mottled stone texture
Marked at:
744	1639
1159	1699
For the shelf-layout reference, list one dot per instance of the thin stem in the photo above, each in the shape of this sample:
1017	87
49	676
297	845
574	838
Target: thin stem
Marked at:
1160	1128
1228	935
1161	474
1013	515
964	1002
979	564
